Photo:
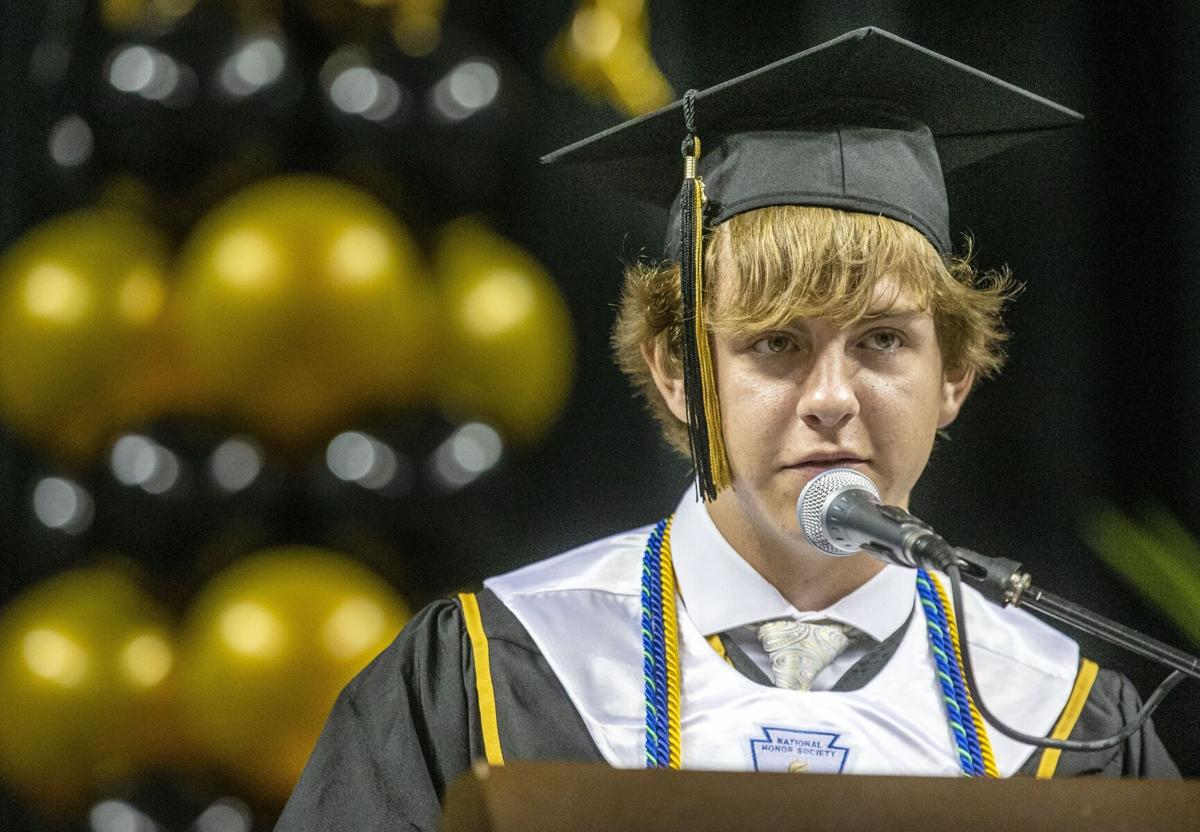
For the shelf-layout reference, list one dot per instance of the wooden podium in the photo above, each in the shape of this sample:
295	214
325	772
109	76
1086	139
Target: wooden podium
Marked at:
575	797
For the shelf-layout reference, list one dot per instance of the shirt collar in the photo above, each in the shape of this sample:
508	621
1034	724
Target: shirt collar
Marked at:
722	591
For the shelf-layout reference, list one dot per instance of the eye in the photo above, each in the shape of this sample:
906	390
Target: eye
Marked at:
883	340
774	343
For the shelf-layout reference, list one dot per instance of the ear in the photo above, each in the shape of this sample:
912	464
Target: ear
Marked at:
955	387
669	385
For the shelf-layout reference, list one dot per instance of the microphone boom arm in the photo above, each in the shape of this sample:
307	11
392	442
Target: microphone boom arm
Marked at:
1001	581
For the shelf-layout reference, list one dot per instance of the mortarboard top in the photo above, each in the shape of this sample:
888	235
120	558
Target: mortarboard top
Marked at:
865	122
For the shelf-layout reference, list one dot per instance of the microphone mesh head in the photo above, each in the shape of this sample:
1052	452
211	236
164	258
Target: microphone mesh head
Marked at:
815	498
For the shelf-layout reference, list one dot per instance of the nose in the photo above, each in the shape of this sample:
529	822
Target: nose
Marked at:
827	396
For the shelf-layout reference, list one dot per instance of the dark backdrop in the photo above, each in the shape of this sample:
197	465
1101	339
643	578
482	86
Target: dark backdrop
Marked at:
1101	395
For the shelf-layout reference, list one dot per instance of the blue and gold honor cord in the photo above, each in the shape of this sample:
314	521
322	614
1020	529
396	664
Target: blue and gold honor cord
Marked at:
660	663
966	725
660	650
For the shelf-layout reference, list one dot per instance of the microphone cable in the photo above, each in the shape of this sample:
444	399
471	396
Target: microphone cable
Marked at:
955	574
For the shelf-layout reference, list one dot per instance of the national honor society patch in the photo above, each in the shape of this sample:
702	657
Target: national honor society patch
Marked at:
793	750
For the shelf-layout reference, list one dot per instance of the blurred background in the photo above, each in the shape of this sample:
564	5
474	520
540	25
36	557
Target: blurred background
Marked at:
296	336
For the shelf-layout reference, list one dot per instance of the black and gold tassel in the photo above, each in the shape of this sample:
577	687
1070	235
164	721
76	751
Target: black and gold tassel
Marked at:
699	382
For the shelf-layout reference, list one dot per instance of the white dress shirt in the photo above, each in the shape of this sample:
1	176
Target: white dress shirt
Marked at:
724	594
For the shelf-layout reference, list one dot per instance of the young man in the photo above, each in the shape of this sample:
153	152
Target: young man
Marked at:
809	316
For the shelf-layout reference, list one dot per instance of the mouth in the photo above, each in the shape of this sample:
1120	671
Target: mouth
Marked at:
815	463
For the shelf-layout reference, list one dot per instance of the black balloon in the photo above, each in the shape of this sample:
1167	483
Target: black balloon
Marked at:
183	497
429	129
389	494
191	111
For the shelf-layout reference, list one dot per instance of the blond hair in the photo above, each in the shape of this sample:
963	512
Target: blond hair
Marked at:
773	265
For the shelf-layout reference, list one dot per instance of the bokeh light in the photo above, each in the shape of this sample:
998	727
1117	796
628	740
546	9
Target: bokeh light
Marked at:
63	504
355	87
469	87
119	816
257	63
71	141
229	814
138	69
360	458
236	463
468	453
140	461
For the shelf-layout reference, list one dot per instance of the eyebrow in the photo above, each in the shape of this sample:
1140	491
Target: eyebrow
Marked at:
904	312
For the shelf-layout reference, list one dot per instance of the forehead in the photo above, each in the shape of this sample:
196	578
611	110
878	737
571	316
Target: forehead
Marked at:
845	271
890	299
892	295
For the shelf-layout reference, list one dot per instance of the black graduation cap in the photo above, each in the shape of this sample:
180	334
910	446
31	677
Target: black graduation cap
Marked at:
865	122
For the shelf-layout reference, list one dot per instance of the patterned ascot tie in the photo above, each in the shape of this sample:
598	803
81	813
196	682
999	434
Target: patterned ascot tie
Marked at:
800	650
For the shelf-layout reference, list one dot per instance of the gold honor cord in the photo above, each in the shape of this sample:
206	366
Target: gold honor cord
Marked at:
985	742
671	644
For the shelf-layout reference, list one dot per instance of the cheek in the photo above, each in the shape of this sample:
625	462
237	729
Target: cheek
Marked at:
750	403
913	400
755	414
903	415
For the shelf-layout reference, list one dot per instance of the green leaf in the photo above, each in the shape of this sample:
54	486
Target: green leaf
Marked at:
1161	561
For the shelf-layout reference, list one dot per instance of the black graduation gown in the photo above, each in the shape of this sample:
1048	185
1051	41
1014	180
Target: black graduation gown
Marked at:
409	724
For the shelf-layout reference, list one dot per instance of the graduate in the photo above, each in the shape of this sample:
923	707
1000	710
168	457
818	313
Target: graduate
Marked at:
810	314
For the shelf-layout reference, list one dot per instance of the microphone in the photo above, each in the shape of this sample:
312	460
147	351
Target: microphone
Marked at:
840	513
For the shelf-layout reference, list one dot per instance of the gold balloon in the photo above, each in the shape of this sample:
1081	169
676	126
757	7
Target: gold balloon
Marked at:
605	53
267	647
85	340
85	669
127	15
417	25
302	300
509	345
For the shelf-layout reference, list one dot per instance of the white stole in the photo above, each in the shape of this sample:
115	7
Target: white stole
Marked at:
583	611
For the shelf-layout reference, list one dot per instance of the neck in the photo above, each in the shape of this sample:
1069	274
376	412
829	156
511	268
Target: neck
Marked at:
807	578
